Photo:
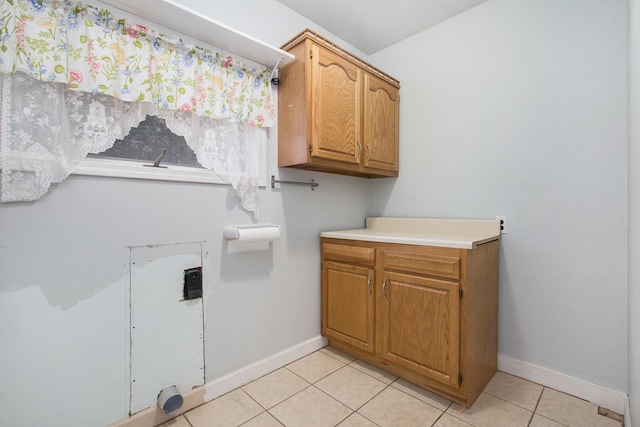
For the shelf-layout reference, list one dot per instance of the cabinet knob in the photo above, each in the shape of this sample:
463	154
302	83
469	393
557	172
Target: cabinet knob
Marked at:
368	152
369	284
359	150
384	288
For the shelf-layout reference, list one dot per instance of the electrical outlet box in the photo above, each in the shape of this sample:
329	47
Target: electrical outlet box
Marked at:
192	283
503	224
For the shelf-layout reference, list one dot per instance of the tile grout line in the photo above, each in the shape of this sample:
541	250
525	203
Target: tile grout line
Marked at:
309	382
258	403
359	407
386	387
328	353
342	403
372	397
395	380
363	369
403	392
536	407
512	403
420	400
453	414
268	410
332	397
438	419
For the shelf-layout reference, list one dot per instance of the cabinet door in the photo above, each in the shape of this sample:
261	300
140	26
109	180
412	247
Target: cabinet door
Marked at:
381	117
420	323
347	304
336	107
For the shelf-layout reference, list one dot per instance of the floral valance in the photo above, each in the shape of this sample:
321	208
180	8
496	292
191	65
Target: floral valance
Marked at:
74	78
89	50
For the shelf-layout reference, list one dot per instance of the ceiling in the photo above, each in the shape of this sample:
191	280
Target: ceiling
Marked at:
372	25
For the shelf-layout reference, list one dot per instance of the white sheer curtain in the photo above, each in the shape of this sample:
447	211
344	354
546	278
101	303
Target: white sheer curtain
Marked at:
45	130
75	79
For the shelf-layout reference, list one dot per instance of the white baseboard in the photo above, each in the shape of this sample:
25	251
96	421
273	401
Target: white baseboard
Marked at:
246	375
153	416
601	396
627	413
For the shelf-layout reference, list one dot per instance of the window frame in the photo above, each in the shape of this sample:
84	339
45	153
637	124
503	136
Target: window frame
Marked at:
134	169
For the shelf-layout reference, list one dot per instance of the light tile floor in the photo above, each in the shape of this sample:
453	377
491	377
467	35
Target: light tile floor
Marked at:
330	388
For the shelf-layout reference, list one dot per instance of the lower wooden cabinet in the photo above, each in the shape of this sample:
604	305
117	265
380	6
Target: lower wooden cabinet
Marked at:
349	317
426	314
420	325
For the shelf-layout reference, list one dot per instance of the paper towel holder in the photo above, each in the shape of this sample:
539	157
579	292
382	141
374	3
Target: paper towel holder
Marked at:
252	232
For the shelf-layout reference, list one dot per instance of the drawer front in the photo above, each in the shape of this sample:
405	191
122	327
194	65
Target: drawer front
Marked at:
447	267
348	253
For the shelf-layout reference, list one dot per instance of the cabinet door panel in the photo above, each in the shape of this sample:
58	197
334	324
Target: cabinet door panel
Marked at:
381	121
347	295
421	325
336	108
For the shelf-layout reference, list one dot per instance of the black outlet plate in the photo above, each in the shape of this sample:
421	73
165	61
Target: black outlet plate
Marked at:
192	283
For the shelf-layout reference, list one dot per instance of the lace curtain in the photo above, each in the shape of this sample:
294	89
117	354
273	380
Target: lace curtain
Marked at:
75	79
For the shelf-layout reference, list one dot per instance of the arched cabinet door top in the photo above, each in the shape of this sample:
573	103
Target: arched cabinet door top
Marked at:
336	113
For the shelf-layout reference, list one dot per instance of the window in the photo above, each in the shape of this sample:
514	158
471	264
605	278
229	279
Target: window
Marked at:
146	143
134	155
221	105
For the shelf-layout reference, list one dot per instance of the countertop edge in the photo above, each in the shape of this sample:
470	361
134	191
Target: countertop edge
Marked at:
458	241
450	233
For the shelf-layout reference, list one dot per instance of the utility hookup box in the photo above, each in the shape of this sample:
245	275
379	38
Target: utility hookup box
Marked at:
193	283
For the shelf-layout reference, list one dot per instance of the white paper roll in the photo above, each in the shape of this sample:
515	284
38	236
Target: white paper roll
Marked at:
252	233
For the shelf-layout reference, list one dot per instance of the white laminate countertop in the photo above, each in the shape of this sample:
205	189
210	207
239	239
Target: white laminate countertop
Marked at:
450	233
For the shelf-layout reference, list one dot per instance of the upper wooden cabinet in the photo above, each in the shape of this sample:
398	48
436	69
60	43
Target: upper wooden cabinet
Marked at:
336	113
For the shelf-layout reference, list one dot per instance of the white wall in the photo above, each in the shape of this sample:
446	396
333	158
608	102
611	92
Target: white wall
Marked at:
514	108
634	211
268	20
64	271
518	108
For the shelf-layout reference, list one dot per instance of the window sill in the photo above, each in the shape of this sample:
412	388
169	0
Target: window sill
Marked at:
136	170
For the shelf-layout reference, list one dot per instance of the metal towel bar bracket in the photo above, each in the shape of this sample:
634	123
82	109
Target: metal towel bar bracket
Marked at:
274	181
273	78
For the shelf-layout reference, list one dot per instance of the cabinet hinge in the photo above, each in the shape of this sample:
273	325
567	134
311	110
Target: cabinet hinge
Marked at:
460	379
310	148
460	293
